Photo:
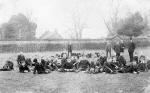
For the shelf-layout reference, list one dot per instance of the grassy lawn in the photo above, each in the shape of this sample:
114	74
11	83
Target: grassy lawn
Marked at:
56	82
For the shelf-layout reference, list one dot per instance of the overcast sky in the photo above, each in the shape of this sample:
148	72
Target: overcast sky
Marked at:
57	14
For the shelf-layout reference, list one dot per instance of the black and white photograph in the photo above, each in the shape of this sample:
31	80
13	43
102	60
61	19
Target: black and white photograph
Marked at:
74	46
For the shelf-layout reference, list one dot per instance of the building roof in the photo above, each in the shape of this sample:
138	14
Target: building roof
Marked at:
114	37
51	35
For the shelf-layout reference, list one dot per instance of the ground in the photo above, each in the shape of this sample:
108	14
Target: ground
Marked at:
56	82
71	82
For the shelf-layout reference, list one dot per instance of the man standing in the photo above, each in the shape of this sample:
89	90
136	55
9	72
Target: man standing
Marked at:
117	49
108	49
69	49
131	48
122	46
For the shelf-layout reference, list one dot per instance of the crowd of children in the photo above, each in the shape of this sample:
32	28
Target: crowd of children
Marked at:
76	62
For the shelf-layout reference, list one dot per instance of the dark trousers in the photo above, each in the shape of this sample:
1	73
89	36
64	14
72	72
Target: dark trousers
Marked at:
131	55
36	69
108	53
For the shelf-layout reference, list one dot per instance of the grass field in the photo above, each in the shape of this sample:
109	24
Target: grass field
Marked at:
56	82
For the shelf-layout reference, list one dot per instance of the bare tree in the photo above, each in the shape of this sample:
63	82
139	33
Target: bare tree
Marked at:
77	27
29	15
111	25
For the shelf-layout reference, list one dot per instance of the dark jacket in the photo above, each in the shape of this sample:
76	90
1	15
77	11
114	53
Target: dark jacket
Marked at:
131	47
122	46
122	61
84	64
20	58
63	62
70	48
117	48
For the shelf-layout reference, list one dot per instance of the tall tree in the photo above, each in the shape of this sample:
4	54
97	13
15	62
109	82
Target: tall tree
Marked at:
9	31
133	25
19	27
